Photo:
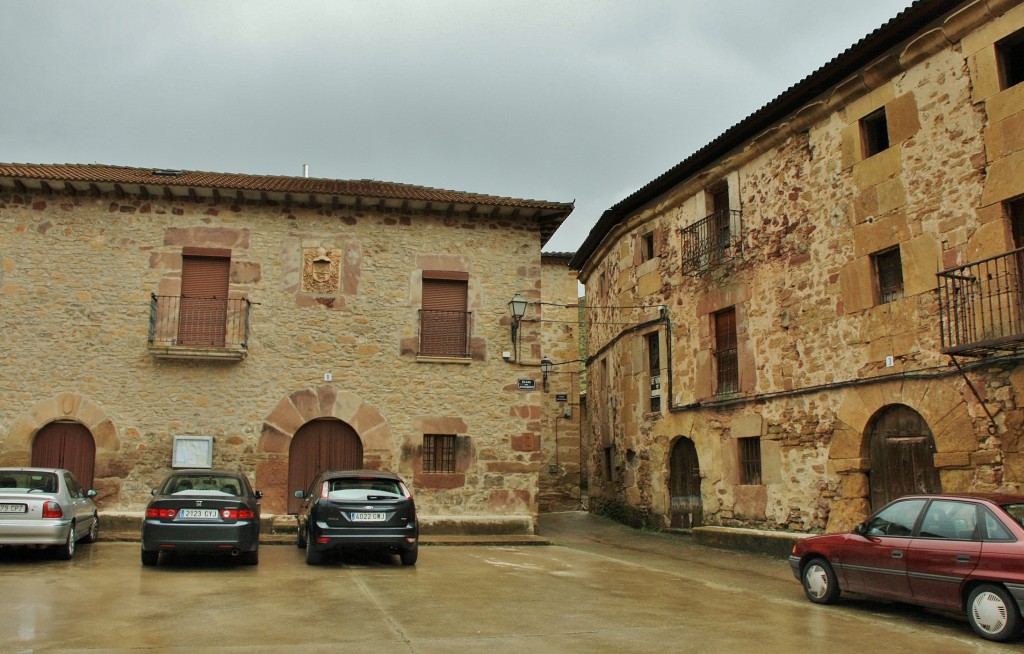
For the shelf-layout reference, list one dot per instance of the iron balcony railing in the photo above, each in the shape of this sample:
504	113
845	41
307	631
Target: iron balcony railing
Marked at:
198	321
712	241
445	333
981	305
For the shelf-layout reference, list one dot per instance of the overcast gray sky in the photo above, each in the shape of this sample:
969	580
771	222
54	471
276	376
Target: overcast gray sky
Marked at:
562	100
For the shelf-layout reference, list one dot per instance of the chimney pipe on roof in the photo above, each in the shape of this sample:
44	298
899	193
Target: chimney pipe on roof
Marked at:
305	170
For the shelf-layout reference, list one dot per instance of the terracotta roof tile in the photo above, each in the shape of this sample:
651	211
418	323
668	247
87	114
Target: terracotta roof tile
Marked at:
98	173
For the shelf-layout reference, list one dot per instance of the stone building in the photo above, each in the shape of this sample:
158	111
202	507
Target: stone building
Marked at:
277	325
822	308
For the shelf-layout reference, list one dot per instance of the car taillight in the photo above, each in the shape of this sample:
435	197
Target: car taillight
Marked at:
160	513
237	514
325	489
52	510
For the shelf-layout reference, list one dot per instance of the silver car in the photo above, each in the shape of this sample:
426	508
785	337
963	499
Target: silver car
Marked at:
46	507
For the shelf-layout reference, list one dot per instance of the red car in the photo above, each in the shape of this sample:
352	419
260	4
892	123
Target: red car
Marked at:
959	553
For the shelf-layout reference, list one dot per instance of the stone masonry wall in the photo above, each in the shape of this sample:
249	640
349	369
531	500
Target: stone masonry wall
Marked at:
77	276
819	355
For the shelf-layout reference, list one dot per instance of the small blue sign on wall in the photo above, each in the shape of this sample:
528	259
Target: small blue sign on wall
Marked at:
562	397
527	384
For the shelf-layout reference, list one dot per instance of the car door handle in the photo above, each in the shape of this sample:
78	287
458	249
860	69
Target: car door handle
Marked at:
963	558
897	554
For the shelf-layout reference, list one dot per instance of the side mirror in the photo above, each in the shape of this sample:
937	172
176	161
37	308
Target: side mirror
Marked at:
152	492
258	495
90	493
300	494
861	529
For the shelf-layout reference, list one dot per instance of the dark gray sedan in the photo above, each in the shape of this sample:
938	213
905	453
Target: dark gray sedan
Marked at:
46	507
364	509
203	511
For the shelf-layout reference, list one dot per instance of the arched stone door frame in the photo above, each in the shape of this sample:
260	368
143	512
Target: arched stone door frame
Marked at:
301	407
16	448
901	450
938	401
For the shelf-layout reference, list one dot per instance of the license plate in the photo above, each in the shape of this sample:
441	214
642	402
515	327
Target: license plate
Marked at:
13	508
368	517
208	514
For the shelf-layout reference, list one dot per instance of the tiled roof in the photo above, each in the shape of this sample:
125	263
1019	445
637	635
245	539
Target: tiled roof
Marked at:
98	173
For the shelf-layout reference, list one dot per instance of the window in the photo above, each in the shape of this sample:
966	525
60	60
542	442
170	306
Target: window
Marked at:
438	453
950	520
1015	210
726	357
444	319
875	132
750	461
889	275
994	529
715	239
895	520
1010	53
608	463
654	370
202	317
647	246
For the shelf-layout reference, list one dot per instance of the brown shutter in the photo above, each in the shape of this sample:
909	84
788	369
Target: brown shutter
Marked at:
443	318
204	292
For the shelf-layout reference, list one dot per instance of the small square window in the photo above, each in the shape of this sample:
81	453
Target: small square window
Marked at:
875	132
1010	53
889	275
438	453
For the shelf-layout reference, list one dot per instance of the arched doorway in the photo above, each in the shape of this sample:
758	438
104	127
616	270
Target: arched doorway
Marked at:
684	486
321	444
902	455
67	445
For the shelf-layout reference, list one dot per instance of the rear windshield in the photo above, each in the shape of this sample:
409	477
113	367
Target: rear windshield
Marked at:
362	487
202	485
23	481
1016	512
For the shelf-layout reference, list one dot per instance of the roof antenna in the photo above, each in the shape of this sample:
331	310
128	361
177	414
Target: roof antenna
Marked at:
305	170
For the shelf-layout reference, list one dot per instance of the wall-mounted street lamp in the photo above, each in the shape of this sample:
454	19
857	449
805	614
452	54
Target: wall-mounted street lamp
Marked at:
546	366
516	307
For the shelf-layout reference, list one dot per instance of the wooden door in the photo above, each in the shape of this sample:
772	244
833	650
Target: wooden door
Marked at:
202	316
319	445
902	456
67	445
684	486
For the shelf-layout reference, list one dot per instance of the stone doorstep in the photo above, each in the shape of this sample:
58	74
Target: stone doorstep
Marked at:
280	530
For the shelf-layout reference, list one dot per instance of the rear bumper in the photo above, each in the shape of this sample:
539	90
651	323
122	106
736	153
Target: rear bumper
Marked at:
34	532
194	537
403	538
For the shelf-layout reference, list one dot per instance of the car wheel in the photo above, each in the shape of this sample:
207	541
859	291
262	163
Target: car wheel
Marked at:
94	530
251	558
819	582
313	556
150	558
67	550
993	614
409	556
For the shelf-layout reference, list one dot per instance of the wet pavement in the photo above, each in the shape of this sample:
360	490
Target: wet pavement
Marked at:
600	587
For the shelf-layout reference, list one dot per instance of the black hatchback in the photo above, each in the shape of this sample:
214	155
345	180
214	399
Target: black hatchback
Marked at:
203	511
364	509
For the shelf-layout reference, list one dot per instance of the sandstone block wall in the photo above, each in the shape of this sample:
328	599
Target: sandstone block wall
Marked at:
78	272
819	354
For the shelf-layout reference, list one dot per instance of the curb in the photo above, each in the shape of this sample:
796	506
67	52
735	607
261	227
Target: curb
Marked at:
453	540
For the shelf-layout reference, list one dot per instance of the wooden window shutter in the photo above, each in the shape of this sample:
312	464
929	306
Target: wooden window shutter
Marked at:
444	318
204	294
